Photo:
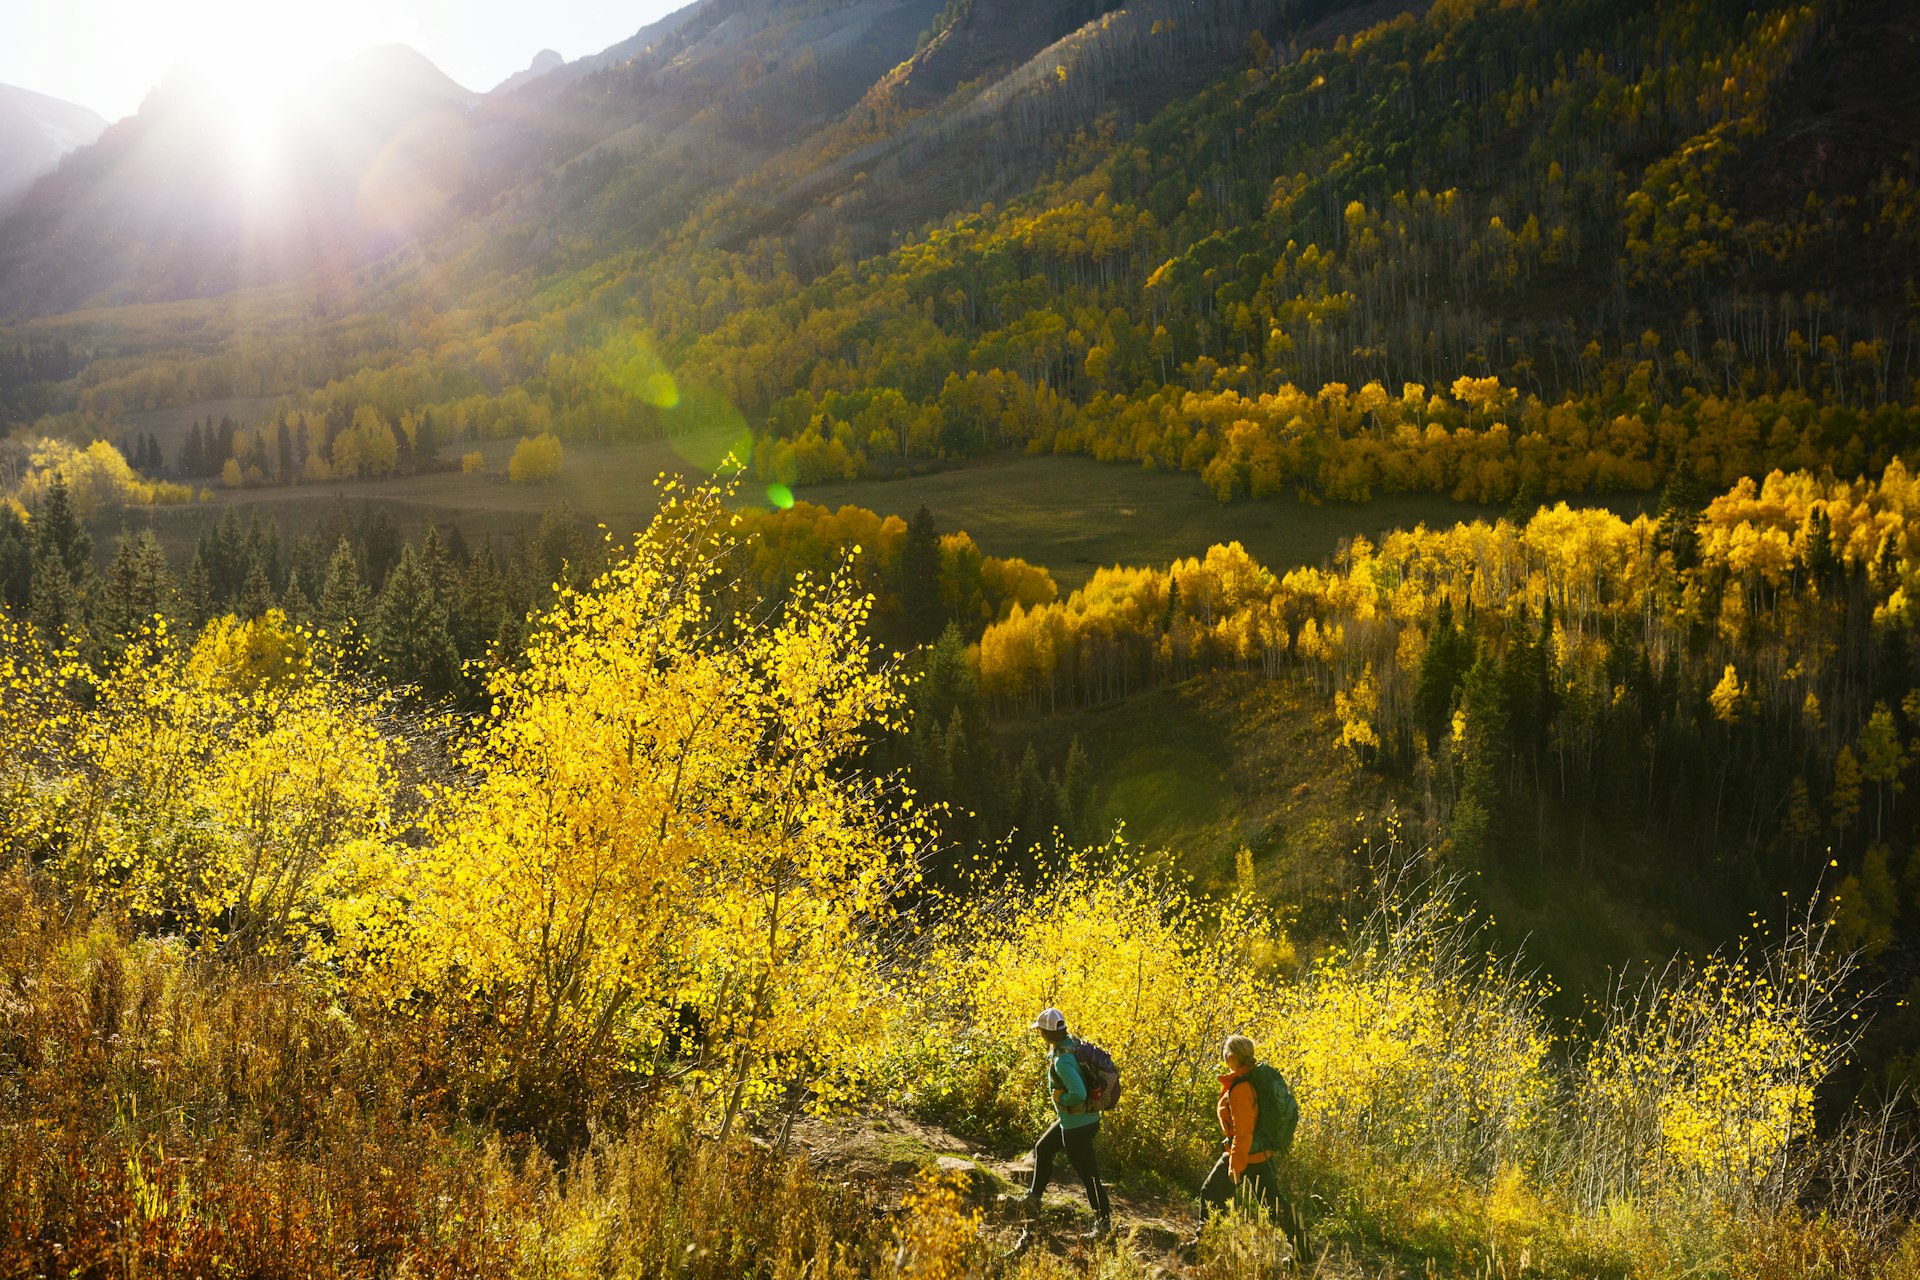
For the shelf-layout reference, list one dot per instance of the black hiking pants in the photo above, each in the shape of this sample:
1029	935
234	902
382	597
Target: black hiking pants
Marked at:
1258	1185
1078	1144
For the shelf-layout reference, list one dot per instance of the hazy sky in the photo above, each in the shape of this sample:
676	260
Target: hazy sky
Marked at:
106	54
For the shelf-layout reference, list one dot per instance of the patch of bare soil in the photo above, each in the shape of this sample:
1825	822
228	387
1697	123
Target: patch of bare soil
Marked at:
887	1154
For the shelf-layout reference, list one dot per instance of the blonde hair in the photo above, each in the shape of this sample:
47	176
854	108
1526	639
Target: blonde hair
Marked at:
1239	1049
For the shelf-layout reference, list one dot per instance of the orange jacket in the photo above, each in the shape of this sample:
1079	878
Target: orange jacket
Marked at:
1238	1110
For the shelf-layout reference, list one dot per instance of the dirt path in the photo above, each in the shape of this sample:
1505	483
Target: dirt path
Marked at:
888	1152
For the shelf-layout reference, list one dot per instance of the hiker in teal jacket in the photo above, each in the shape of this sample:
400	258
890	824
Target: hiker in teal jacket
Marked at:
1075	1130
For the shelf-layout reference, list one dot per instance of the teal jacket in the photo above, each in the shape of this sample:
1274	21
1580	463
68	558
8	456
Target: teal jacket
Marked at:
1068	1086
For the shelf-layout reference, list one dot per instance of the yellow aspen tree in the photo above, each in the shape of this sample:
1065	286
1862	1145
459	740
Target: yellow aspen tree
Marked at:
661	830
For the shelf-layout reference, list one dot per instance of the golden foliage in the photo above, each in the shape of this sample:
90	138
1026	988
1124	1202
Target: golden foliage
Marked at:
535	460
660	828
97	479
228	791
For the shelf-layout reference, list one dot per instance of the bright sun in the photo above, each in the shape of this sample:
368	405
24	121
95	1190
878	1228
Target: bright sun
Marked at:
254	58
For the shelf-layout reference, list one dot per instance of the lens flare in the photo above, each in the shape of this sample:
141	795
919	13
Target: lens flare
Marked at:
708	432
780	496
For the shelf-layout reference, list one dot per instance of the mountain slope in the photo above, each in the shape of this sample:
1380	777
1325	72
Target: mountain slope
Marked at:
35	131
183	199
544	62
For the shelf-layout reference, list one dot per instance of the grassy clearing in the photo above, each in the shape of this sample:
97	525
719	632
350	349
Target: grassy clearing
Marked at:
172	426
1072	515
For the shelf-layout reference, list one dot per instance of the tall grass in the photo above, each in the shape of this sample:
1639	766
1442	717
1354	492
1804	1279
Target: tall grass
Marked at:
167	1113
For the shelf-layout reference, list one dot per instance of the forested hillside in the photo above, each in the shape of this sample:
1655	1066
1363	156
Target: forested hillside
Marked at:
538	864
1486	250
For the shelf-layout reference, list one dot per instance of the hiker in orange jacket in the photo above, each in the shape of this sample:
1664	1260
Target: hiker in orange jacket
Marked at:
1240	1170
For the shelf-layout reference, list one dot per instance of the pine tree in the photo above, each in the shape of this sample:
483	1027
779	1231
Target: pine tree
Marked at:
16	559
381	540
409	632
296	605
1479	810
1076	790
56	609
426	441
1449	654
560	551
345	608
1681	502
196	595
920	605
138	587
436	563
479	605
59	534
256	595
193	455
263	549
1037	804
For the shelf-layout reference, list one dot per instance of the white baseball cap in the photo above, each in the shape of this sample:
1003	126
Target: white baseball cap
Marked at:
1049	1020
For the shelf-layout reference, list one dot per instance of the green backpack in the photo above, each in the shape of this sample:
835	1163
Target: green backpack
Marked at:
1277	1114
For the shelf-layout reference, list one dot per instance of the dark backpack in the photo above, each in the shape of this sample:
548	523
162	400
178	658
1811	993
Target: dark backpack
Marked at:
1276	1113
1100	1073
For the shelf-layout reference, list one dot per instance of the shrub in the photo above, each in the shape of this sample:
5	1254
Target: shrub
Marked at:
227	793
473	463
1698	1091
536	459
1137	964
1403	1039
659	857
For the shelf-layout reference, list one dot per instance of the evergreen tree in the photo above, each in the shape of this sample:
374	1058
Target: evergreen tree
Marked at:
409	632
1035	804
1449	654
256	595
1479	809
193	455
138	587
560	552
479	605
920	606
263	550
426	441
196	595
58	534
222	551
345	608
56	609
296	605
380	539
436	563
1681	502
402	449
1076	791
16	559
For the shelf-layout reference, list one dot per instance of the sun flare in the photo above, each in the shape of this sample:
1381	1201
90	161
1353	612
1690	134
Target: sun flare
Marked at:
253	62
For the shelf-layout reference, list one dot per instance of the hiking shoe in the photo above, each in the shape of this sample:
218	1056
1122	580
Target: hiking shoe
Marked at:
1021	1206
1102	1228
